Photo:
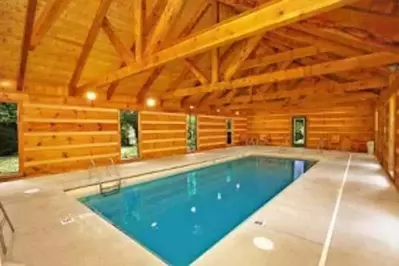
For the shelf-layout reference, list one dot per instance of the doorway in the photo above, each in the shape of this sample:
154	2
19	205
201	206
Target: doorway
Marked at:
129	134
229	128
9	156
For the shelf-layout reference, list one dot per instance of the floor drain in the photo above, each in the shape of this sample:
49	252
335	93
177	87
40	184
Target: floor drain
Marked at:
259	222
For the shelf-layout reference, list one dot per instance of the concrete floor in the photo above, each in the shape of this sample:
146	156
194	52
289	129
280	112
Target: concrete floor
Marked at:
343	211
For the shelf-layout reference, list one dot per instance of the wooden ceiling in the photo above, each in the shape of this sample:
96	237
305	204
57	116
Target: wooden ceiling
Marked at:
207	54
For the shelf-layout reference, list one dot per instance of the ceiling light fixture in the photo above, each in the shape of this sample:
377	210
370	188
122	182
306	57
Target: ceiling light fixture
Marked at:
151	102
91	95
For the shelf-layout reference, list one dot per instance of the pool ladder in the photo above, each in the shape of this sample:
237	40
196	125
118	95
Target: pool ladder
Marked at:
4	219
113	182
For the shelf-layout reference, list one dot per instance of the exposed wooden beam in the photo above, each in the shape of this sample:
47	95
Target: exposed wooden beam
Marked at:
312	89
49	14
364	61
280	13
284	56
147	25
186	31
322	99
138	15
172	9
239	7
141	95
239	58
340	49
125	54
88	44
196	71
377	24
28	30
215	60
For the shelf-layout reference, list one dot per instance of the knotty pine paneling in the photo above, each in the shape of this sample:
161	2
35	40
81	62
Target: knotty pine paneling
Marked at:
240	127
211	132
60	138
162	134
356	126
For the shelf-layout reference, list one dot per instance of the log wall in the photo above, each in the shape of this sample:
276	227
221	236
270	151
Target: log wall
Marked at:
162	134
59	138
240	127
387	137
354	126
211	132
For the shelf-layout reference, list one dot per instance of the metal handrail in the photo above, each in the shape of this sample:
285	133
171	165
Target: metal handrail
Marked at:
5	219
111	185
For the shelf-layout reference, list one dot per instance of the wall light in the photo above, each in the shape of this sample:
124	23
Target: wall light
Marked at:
217	110
151	102
191	107
91	95
6	83
237	112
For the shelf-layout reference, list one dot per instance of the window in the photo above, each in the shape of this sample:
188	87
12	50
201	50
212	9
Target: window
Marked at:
191	133
9	160
229	131
129	134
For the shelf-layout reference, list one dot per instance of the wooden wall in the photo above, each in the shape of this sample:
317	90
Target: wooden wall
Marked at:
240	126
387	137
162	134
59	138
211	132
354	125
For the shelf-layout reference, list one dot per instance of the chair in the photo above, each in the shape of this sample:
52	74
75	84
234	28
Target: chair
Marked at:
243	139
265	139
334	140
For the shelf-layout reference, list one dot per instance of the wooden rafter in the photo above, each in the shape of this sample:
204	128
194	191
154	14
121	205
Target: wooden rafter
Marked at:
364	61
239	58
284	56
28	30
314	101
125	54
186	31
310	88
377	24
229	31
141	95
88	44
196	71
172	9
50	13
144	29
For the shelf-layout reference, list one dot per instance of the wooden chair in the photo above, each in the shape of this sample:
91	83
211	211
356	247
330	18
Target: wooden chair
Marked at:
334	140
243	139
264	139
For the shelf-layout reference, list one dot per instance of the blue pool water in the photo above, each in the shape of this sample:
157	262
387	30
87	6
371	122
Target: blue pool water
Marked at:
181	216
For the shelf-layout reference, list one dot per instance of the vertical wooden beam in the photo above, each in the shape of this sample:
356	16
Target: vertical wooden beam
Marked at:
172	9
215	62
88	44
50	13
138	14
29	20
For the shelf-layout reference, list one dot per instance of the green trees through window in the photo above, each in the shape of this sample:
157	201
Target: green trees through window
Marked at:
129	134
191	133
8	138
